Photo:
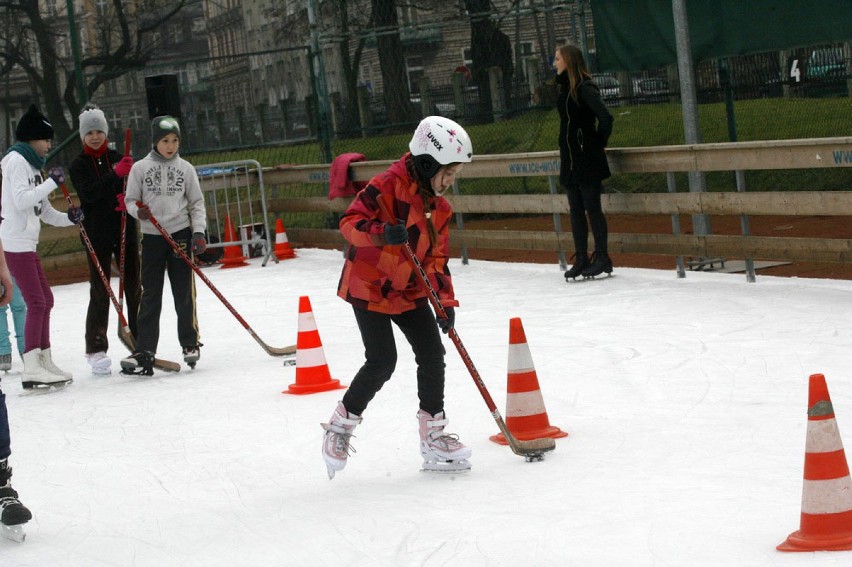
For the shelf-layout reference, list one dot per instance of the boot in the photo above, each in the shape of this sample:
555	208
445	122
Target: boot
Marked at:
47	363
139	363
100	363
441	451
191	354
601	263
36	376
335	444
12	512
581	262
6	362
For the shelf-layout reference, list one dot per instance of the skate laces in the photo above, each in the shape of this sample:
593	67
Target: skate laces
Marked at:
437	436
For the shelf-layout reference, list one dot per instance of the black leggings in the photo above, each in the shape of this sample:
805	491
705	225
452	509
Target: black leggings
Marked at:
421	331
586	198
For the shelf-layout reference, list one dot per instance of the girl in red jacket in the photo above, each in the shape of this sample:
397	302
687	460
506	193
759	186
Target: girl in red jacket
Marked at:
381	286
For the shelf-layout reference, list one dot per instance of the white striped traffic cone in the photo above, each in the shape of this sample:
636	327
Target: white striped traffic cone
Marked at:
826	522
526	416
312	374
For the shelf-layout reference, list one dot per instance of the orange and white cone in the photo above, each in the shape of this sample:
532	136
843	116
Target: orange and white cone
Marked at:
826	522
282	245
526	416
312	373
233	256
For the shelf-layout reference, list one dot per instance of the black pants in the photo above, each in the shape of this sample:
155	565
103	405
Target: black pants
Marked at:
97	317
421	331
159	258
583	199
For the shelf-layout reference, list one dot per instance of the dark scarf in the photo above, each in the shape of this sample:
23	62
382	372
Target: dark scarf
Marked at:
29	154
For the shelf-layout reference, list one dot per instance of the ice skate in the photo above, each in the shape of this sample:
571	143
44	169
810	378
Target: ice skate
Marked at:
140	363
6	362
13	514
601	263
50	366
335	443
191	355
581	263
100	363
36	376
442	452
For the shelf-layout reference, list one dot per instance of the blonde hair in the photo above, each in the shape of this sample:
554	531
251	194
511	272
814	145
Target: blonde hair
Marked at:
575	67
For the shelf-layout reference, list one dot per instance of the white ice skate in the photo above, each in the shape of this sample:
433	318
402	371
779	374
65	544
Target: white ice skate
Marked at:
50	366
442	452
100	363
335	443
37	377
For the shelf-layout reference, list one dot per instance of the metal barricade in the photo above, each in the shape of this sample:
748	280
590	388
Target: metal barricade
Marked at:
235	189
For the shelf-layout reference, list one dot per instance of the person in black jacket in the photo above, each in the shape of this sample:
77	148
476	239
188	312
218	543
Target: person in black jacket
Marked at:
584	128
98	175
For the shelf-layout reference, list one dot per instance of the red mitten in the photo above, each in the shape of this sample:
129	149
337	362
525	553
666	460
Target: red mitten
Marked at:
122	168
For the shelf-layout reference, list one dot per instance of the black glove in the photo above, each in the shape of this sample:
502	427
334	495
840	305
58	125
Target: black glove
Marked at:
396	233
449	322
57	174
199	244
75	214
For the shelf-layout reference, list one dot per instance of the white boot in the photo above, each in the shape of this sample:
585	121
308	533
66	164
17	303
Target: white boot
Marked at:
36	376
335	443
100	363
47	362
441	451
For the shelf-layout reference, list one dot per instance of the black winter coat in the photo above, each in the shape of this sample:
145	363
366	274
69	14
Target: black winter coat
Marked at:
584	129
97	186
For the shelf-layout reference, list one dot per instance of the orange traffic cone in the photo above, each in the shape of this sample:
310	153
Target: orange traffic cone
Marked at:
233	257
826	523
312	374
282	245
526	417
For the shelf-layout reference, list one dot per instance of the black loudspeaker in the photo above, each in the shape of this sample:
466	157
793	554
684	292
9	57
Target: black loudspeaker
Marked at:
163	96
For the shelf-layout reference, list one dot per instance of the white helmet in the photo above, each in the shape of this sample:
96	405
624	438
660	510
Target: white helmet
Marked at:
442	139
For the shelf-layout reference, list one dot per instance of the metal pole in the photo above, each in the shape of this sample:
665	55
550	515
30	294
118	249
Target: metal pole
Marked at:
584	42
689	104
320	90
672	187
82	94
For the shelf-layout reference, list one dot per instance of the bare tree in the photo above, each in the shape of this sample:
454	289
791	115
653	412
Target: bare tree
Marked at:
120	42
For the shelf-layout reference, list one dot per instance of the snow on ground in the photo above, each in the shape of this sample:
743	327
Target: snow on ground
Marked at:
685	401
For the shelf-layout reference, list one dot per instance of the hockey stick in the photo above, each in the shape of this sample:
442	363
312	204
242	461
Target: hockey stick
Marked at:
533	449
124	330
272	351
123	243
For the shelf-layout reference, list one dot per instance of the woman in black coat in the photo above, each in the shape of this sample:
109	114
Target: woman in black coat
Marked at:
584	128
98	175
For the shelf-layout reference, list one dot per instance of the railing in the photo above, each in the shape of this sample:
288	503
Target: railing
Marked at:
741	156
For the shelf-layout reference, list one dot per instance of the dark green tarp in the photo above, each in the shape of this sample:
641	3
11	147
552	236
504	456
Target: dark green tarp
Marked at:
639	34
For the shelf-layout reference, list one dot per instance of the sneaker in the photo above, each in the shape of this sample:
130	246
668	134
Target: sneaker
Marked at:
191	354
437	446
335	444
140	362
100	363
6	361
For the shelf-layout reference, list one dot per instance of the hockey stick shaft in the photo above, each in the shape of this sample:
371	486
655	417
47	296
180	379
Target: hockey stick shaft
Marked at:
97	263
272	351
123	244
533	446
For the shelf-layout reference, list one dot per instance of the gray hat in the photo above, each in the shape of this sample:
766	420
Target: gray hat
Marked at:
163	125
92	118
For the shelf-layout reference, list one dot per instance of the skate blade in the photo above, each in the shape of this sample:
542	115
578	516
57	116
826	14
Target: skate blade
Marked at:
290	361
44	388
15	533
447	467
101	372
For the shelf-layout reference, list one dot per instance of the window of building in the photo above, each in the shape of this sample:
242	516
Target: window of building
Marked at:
199	26
414	70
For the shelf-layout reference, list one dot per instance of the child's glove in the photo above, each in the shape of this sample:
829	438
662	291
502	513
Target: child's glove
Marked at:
449	322
199	244
122	206
122	168
75	215
57	174
143	212
396	233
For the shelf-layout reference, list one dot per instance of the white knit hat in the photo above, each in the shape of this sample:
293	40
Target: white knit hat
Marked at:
92	118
